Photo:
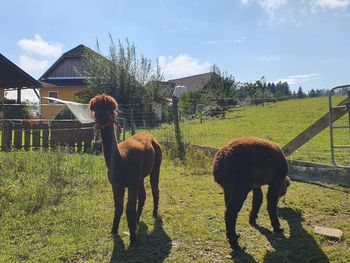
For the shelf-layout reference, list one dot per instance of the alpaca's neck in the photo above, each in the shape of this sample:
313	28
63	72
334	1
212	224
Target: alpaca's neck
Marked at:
110	149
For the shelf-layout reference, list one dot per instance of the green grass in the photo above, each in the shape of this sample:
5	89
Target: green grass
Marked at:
279	122
58	207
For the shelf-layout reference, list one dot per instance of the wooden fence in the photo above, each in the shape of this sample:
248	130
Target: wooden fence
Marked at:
35	135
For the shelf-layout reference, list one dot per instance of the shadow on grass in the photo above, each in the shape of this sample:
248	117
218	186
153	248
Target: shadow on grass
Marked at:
299	247
151	247
242	256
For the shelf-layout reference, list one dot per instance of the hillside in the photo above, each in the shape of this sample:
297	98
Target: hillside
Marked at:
279	122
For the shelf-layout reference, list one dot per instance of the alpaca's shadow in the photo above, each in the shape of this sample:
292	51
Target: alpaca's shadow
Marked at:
299	247
242	256
151	247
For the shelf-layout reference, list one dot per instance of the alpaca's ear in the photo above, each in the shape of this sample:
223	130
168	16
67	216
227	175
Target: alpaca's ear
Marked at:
92	104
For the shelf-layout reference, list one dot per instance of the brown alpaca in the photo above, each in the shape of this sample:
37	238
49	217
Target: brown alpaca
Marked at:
246	164
128	163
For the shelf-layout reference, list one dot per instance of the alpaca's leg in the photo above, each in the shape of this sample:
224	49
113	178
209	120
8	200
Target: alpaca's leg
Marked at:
272	201
131	214
118	196
233	201
155	189
141	200
256	204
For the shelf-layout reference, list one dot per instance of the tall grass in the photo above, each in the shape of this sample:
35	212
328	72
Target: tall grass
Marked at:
58	207
33	180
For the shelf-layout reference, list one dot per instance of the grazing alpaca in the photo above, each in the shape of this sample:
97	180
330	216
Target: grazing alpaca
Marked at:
246	164
128	163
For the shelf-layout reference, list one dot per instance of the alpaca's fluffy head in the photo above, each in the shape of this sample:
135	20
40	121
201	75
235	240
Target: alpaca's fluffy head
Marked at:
104	107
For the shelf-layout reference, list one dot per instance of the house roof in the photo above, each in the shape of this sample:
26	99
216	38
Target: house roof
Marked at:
77	52
63	82
13	77
193	83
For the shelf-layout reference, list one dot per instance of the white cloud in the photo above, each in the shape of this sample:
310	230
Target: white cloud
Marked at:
269	58
244	2
31	65
38	46
234	41
175	28
181	66
271	5
331	4
297	79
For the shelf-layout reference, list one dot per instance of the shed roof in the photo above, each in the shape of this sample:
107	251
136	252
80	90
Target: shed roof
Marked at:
193	83
13	77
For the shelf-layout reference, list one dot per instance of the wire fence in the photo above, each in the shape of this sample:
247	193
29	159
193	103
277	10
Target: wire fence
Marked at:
213	122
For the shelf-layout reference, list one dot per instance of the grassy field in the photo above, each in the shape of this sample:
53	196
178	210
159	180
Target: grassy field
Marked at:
279	122
57	207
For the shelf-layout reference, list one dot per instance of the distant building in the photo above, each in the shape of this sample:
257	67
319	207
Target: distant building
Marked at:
63	80
178	90
190	83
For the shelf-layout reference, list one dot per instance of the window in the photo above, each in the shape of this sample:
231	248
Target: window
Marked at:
53	94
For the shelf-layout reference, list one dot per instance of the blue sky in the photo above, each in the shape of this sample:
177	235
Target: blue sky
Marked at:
304	42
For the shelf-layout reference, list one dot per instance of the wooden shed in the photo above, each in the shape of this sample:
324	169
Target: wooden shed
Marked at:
14	78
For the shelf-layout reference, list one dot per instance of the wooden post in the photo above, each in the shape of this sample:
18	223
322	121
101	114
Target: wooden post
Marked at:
45	139
6	136
178	137
79	137
27	133
17	141
19	94
132	121
36	136
349	112
88	135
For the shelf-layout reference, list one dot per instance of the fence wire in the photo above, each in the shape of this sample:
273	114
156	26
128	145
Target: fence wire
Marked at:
213	123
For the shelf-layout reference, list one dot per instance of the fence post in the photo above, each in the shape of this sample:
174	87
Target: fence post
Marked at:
132	121
178	137
349	112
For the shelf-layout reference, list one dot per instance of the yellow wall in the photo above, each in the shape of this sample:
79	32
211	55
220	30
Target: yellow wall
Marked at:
64	93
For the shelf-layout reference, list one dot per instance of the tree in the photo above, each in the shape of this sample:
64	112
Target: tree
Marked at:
189	101
282	89
220	88
156	89
121	73
300	93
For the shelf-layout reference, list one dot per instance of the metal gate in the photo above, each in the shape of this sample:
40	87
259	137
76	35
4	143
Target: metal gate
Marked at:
335	112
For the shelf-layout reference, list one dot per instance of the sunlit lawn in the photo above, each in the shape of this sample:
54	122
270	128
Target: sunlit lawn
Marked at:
59	208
